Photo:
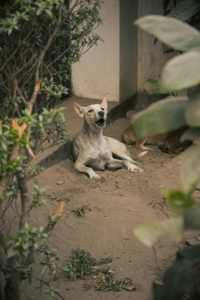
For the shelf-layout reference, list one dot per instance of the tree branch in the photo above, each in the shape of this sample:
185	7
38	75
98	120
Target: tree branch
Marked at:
49	228
41	57
44	282
30	103
20	93
24	199
15	152
54	219
14	276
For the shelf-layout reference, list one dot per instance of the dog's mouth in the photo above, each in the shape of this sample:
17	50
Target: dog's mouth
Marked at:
101	122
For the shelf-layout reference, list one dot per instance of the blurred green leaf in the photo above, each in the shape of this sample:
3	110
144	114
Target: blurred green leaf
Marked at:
181	72
170	31
156	91
178	202
154	81
49	12
192	111
184	10
149	233
160	117
190	169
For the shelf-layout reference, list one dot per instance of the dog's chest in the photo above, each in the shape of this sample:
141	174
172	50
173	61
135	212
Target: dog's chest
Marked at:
100	152
99	155
99	161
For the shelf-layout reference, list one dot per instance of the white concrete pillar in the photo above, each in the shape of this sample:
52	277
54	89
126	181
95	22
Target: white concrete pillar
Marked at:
97	72
122	64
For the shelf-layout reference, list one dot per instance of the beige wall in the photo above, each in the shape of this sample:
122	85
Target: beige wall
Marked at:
97	73
122	64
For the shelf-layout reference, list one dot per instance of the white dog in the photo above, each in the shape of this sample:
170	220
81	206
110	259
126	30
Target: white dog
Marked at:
93	151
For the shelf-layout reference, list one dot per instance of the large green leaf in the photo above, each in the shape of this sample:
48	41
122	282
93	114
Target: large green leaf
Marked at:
149	233
185	10
181	72
160	117
190	168
192	112
170	31
178	202
154	81
192	218
156	91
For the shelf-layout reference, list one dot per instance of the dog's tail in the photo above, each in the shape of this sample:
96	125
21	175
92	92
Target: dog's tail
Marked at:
139	155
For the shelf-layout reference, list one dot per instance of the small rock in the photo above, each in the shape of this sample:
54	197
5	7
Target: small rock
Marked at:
119	186
158	282
60	182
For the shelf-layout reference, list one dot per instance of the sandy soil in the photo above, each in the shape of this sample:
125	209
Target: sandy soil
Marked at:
120	202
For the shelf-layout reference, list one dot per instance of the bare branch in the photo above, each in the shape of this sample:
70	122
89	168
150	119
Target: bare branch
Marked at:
14	276
54	219
28	76
3	184
3	240
58	57
14	100
15	152
40	60
25	65
44	282
7	60
49	228
42	54
75	4
34	96
24	199
20	93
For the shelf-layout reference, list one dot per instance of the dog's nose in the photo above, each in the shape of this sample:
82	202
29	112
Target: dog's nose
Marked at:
101	114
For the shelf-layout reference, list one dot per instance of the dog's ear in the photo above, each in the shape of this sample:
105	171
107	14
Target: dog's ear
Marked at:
104	103
78	109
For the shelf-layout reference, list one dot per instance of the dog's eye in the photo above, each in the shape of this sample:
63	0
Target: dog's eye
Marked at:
90	111
102	108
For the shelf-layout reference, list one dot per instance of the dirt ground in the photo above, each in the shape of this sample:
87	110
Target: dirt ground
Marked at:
120	202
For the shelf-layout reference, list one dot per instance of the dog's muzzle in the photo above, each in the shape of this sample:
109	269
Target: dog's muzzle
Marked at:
101	122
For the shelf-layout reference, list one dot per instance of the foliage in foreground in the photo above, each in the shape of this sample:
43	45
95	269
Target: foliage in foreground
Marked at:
181	72
38	42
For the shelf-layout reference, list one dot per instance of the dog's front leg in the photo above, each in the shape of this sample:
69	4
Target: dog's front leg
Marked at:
118	164
79	167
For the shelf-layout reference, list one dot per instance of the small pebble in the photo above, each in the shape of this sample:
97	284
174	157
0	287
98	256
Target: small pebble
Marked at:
60	182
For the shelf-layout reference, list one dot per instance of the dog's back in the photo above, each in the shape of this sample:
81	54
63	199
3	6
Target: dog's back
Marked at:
168	142
173	143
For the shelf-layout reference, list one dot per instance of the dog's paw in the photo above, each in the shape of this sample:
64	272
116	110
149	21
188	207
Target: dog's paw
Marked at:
95	176
134	168
139	170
